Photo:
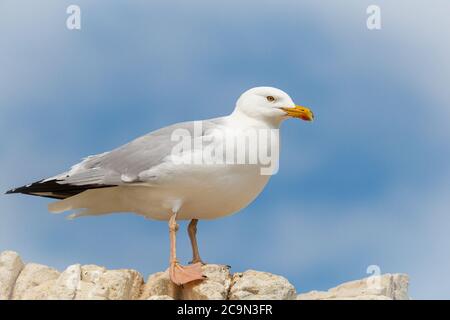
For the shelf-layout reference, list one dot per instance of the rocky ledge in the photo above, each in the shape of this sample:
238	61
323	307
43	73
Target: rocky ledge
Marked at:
32	281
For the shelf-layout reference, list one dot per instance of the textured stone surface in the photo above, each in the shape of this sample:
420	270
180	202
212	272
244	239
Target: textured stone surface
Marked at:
257	285
91	286
86	282
122	284
90	282
30	280
10	267
40	292
383	287
159	284
160	298
215	287
65	287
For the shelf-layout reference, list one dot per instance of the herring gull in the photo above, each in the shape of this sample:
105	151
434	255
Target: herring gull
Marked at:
165	175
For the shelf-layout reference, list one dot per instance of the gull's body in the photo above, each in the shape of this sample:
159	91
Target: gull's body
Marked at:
201	198
146	176
196	191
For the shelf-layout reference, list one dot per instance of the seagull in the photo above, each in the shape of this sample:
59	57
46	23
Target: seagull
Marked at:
155	175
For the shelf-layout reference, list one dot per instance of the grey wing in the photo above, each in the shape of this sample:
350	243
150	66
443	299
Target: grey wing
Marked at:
124	164
118	167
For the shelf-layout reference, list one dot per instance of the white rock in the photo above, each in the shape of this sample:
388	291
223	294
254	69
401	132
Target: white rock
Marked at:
65	287
257	285
35	281
159	284
314	295
92	273
122	284
77	282
364	297
90	286
215	287
40	292
33	275
387	286
160	298
90	291
10	267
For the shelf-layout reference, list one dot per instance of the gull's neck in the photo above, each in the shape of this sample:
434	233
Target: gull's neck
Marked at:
239	119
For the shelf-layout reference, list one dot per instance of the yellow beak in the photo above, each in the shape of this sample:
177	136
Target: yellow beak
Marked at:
299	112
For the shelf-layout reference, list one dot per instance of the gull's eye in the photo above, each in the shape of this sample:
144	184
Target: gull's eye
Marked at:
270	98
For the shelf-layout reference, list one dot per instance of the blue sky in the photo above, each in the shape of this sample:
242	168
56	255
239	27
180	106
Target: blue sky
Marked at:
366	183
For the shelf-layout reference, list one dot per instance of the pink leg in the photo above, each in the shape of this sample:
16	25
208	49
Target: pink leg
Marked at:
192	231
181	274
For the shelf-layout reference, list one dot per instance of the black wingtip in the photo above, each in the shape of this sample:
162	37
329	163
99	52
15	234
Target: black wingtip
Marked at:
10	191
